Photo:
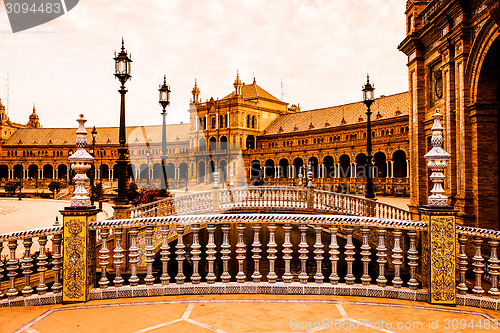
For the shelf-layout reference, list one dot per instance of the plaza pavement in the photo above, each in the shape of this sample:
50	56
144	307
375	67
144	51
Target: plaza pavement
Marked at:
247	313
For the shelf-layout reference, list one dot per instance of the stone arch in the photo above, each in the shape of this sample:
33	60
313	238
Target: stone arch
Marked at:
144	171
269	169
380	165
250	142
297	164
33	171
283	165
314	166
4	171
201	172
255	169
48	171
361	160
18	171
104	171
202	144
223	142
183	171
399	163
62	171
157	171
345	166
222	171
170	170
329	167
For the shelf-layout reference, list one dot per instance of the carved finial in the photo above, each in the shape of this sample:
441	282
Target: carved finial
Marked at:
231	177
309	175
299	183
123	45
216	176
80	163
437	161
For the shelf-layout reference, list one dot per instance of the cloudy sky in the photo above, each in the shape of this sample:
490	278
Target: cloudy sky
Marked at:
320	50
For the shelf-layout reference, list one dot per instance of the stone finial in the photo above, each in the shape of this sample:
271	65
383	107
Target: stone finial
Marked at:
80	162
437	161
216	176
299	183
231	177
309	175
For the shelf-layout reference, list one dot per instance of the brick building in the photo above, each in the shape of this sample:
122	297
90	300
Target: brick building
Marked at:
249	130
453	50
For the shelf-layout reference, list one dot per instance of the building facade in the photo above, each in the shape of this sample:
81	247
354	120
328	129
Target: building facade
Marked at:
453	49
248	133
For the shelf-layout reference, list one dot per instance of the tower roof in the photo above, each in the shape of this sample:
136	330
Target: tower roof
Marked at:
253	91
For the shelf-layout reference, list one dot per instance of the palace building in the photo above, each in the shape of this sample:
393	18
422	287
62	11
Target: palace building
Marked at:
271	140
453	50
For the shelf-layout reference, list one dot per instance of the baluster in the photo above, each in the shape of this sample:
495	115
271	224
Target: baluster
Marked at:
365	253
318	251
133	257
334	252
195	254
397	258
412	260
287	253
349	255
271	250
165	278
179	278
225	252
240	253
1	267
211	253
382	255
303	251
42	265
26	266
462	264
150	256
57	262
478	266
103	257
493	269
256	276
12	266
118	256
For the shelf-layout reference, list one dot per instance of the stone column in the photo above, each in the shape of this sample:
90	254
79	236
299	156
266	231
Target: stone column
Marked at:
439	242
388	168
392	169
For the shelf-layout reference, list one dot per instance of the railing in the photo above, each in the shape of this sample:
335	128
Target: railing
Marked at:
272	198
339	261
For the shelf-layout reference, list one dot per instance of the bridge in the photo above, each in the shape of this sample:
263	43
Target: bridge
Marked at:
257	240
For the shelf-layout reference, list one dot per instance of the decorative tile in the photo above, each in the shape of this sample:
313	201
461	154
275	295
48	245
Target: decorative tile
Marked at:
311	290
343	290
407	294
171	289
421	295
327	290
295	290
18	301
488	303
265	289
358	290
59	298
391	292
461	299
32	300
375	291
280	289
109	293
473	301
233	289
217	288
186	289
95	294
4	303
139	291
202	289
248	289
156	290
125	292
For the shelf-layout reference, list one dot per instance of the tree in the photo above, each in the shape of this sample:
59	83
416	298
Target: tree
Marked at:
133	193
55	186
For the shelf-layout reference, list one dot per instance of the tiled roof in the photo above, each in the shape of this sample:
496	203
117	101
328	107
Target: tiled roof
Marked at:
105	135
347	114
249	91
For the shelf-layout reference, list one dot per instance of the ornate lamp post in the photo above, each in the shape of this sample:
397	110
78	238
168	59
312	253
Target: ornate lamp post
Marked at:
70	152
368	99
92	170
122	73
164	101
148	155
101	151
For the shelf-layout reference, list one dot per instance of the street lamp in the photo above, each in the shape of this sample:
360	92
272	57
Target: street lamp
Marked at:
101	193
122	73
164	100
92	169
70	152
368	99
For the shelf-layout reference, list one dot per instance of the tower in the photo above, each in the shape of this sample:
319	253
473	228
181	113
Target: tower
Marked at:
237	85
33	122
196	93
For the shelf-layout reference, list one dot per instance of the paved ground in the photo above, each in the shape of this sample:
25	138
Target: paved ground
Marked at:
249	313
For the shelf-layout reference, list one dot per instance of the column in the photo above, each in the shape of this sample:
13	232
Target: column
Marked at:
227	115
292	174
407	168
217	121
177	173
54	173
40	173
206	122
111	171
392	169
388	168
10	173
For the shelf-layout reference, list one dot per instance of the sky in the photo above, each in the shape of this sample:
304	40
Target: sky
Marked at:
319	51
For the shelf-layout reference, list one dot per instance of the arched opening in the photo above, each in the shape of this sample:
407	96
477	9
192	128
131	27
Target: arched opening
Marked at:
283	168
202	144
18	171
213	144
157	171
104	171
250	142
345	166
314	166
183	171
298	163
222	171
48	171
170	170
329	167
255	169
380	169
62	171
4	171
33	171
211	171
115	171
223	142
269	169
399	166
201	172
130	172
144	171
361	170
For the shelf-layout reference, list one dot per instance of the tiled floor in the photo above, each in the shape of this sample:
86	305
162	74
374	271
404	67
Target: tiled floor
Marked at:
249	313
